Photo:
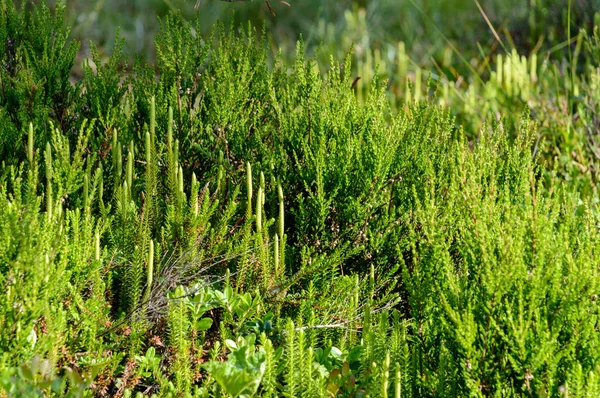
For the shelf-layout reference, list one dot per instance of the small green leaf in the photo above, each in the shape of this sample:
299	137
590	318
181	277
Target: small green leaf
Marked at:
203	324
231	344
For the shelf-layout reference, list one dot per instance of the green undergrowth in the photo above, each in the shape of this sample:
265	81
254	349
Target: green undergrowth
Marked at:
226	224
557	81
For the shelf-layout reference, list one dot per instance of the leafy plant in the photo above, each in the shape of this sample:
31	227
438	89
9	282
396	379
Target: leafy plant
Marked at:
241	375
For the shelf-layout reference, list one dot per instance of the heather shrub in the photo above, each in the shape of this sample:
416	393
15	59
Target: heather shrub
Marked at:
226	223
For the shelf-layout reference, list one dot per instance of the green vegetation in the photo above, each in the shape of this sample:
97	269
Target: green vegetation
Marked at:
226	222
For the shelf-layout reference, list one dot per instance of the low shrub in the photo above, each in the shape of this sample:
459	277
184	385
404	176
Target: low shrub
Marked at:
223	223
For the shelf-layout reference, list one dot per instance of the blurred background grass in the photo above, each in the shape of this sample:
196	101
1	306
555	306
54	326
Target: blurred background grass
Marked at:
425	26
449	40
